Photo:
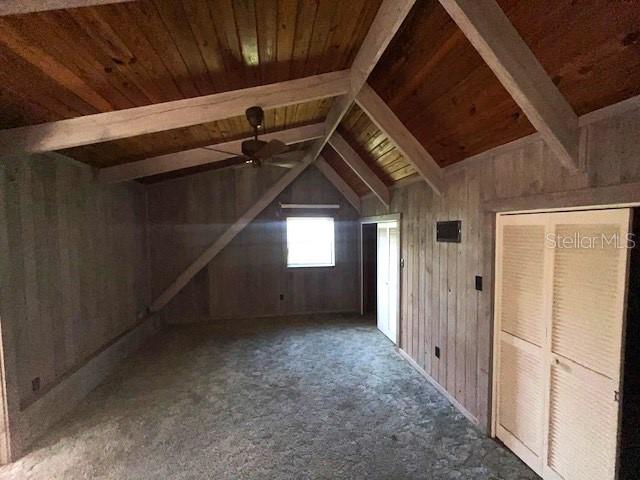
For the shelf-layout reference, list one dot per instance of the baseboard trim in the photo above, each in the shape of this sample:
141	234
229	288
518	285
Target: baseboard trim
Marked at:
65	396
258	317
439	387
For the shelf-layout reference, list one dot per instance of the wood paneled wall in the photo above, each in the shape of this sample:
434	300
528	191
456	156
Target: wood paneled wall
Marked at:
440	306
247	278
73	267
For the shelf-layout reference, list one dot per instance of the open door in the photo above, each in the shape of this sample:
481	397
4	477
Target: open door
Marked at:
387	283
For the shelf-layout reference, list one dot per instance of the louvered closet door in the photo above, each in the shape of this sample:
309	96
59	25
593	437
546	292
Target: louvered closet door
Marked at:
589	285
520	308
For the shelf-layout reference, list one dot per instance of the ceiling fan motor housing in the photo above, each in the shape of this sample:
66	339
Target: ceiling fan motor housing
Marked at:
255	116
256	150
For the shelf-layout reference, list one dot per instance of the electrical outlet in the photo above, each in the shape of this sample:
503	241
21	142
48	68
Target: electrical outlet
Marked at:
478	283
437	352
35	384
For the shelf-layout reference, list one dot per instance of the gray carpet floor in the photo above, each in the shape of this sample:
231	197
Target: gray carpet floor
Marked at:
321	398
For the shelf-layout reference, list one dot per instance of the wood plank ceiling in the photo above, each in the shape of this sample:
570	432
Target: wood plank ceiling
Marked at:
144	52
66	63
375	148
345	171
440	88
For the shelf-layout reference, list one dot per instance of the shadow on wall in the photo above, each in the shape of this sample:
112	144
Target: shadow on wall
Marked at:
630	438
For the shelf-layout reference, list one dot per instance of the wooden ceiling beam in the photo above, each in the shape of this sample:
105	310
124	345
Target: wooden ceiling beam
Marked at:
17	7
201	156
358	165
337	181
390	16
103	127
387	121
384	26
500	45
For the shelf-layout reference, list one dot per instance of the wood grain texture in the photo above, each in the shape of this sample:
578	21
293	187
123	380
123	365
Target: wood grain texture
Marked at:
15	7
444	93
374	146
593	63
497	41
103	127
223	164
336	180
201	156
145	52
229	234
253	265
456	317
138	53
386	23
138	148
384	118
351	158
346	173
77	274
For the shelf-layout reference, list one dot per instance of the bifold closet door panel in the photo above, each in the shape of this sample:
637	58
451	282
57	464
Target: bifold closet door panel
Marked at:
589	293
521	313
583	420
520	406
520	306
589	288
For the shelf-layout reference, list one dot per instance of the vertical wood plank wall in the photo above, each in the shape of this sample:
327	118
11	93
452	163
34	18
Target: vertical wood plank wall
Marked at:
63	238
247	278
186	214
74	270
440	306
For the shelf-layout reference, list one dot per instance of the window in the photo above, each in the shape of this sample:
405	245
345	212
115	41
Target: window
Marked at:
310	242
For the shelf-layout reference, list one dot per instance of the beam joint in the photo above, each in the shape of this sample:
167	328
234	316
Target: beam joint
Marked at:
359	166
500	45
387	121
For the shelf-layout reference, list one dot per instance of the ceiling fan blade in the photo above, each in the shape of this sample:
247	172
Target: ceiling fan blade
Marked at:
234	154
287	159
241	165
274	147
283	164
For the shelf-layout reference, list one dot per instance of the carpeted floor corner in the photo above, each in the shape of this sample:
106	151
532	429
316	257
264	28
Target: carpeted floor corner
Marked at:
297	398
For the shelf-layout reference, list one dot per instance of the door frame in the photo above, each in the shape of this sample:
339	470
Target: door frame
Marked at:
392	217
10	447
497	213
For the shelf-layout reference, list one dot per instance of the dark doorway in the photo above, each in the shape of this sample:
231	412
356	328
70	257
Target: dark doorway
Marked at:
369	268
630	438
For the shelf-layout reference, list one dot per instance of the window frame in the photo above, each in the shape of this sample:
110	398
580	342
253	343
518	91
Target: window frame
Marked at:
286	242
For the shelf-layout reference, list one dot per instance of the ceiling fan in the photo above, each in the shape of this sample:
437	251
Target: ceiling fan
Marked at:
256	152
